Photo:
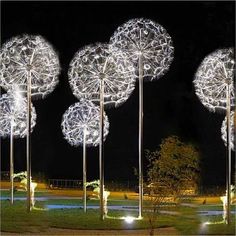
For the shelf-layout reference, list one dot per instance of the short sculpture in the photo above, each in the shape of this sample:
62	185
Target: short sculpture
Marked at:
224	201
23	183
96	185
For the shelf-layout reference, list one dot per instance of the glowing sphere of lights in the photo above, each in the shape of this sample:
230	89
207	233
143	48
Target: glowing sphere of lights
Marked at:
83	117
144	37
94	63
14	112
232	129
214	75
29	55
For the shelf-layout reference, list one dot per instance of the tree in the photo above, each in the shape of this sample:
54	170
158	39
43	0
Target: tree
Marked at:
173	168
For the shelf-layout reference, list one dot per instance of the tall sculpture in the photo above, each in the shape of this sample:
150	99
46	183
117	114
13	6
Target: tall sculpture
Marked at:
80	126
31	63
13	123
214	85
148	45
96	74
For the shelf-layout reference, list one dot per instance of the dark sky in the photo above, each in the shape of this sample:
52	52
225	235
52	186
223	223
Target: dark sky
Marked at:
170	104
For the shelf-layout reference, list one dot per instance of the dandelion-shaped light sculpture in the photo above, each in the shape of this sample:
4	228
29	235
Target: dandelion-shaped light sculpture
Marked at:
96	75
232	130
214	85
13	123
31	63
80	126
149	46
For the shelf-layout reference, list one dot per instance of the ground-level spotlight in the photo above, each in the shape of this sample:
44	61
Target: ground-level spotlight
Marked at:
129	219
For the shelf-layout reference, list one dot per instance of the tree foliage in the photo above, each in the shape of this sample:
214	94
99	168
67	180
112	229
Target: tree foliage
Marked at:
174	167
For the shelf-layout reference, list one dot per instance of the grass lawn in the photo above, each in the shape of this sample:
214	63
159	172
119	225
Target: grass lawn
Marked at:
187	221
22	193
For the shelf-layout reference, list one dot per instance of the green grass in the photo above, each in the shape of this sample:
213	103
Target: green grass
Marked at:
6	193
16	219
93	202
187	222
216	226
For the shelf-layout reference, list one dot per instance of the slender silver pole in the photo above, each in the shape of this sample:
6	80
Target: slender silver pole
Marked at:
84	170
140	136
28	143
101	150
0	136
228	159
11	162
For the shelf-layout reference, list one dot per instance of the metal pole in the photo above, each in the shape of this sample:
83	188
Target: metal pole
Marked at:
140	136
28	142
101	150
228	159
11	162
0	136
84	171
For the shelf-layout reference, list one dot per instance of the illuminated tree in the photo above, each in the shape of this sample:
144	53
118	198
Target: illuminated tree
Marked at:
97	75
174	167
148	45
80	126
214	85
31	63
173	170
13	122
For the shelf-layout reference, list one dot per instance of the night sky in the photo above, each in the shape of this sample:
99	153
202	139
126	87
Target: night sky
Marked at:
170	104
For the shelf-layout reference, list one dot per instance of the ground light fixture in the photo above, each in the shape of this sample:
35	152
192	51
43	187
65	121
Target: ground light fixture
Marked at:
80	126
148	45
108	79
13	124
214	86
31	63
129	219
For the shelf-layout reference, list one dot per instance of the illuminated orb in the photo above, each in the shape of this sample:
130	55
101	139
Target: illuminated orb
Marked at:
147	38
214	74
29	55
83	117
94	63
13	111
232	130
